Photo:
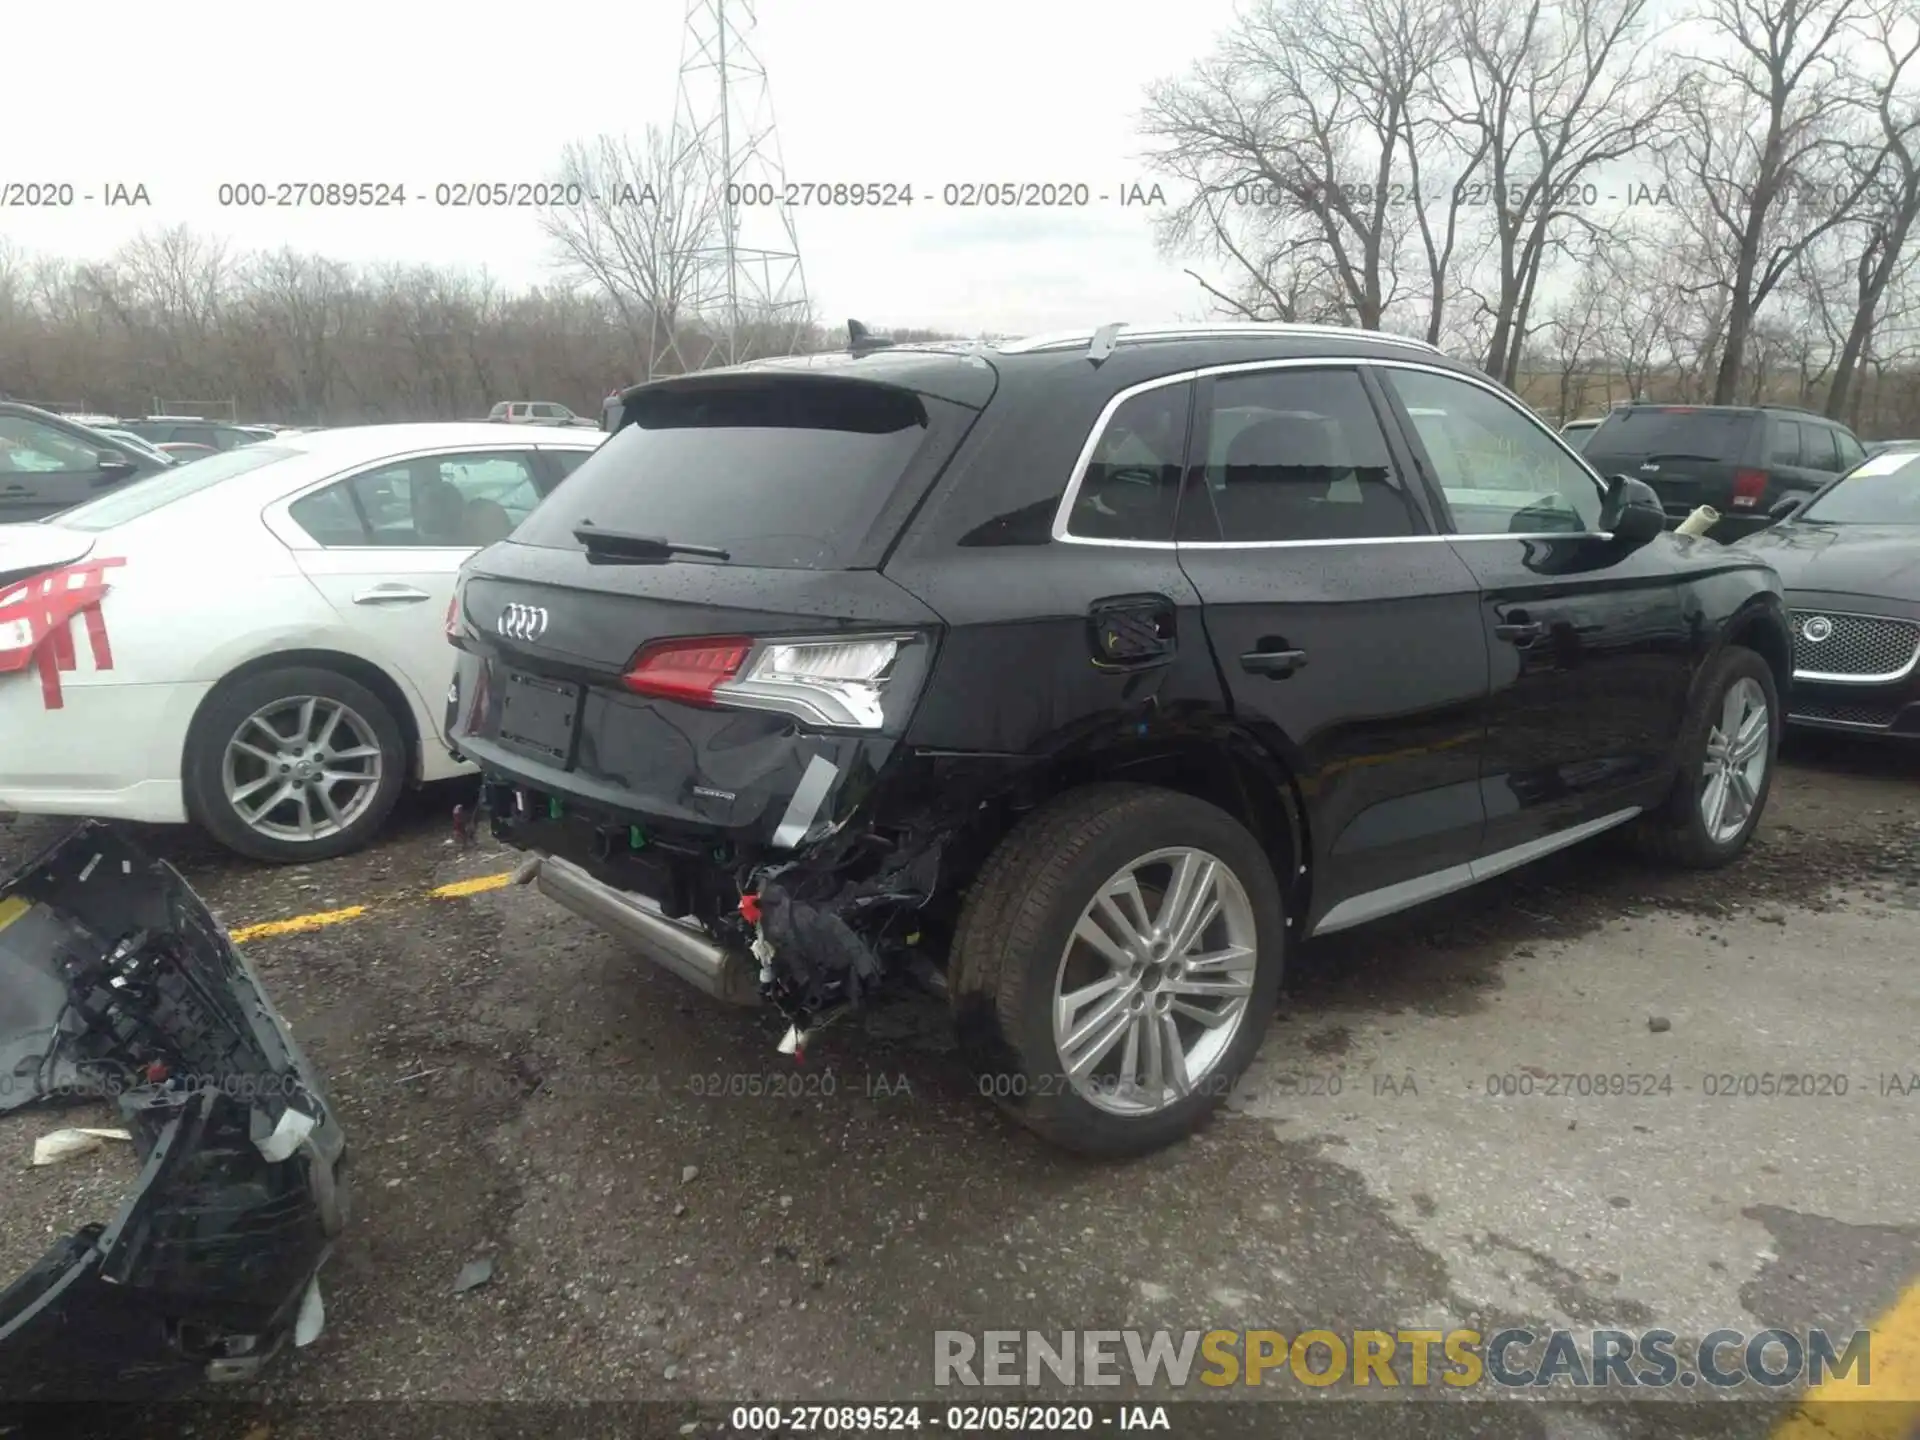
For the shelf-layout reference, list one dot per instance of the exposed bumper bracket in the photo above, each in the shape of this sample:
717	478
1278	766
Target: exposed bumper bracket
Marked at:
726	975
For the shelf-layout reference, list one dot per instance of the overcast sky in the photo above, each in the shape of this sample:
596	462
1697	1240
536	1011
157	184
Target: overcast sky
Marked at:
182	98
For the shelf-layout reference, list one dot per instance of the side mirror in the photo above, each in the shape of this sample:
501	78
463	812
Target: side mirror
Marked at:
114	462
1632	512
1787	507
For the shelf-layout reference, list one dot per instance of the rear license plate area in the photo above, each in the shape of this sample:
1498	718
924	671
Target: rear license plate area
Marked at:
538	717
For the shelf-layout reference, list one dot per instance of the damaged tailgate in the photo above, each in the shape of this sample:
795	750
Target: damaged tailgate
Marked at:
115	981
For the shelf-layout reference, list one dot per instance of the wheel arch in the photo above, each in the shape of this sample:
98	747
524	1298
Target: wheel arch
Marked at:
1212	758
1760	625
354	667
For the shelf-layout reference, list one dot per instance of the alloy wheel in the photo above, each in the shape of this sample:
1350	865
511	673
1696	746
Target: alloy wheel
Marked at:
1154	982
1736	761
302	768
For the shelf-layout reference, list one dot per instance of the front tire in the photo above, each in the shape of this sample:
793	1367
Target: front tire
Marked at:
1116	965
294	764
1727	751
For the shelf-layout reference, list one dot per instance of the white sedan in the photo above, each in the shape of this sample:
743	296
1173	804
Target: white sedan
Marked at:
256	641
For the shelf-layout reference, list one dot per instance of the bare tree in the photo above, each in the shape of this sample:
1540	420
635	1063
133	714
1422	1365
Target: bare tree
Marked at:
1296	138
641	233
1551	95
1764	122
1889	164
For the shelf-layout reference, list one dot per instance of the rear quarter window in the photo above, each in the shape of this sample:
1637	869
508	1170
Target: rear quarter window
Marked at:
785	472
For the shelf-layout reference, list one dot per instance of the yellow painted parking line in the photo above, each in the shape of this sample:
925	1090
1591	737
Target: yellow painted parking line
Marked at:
297	924
1887	1407
474	886
320	919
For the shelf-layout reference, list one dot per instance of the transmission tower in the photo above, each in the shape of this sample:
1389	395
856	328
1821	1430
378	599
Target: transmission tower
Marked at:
749	293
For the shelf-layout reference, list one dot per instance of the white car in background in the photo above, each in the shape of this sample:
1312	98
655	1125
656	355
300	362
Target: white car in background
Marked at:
256	641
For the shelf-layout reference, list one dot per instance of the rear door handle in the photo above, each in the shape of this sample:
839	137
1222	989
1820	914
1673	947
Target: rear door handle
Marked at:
1275	663
1521	632
391	595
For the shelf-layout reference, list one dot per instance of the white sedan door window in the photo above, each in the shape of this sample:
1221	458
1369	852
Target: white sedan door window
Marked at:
392	538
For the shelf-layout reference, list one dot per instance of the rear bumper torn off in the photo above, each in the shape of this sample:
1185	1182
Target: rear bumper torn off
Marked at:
116	982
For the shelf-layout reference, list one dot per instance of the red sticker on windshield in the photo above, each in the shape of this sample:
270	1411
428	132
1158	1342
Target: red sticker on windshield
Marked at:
36	623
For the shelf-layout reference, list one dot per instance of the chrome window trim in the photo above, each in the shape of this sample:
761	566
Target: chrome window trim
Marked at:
1081	338
1824	678
1064	510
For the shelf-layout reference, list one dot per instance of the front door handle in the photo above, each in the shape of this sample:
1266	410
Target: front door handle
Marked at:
1275	663
391	595
1521	632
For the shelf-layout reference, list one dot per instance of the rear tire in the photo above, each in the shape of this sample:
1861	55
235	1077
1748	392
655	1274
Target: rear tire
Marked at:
1721	791
245	749
1020	947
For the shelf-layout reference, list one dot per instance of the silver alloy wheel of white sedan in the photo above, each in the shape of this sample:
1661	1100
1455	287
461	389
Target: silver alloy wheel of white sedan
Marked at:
1736	761
1153	984
301	768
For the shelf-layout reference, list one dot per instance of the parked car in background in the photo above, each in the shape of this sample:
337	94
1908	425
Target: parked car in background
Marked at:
49	464
1850	560
1740	459
1880	447
127	440
255	641
1103	667
1577	432
181	451
536	412
192	430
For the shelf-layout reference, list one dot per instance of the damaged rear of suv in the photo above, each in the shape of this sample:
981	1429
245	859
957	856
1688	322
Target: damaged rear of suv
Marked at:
991	666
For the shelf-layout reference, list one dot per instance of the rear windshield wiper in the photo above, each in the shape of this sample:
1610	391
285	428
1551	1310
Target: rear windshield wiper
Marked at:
615	546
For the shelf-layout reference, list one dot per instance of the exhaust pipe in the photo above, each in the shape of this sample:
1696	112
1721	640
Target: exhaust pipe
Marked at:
726	975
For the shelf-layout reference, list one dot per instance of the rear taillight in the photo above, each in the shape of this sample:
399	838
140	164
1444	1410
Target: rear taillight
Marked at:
1748	487
686	670
840	681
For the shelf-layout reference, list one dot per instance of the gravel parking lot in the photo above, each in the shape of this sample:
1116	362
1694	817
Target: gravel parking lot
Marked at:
673	1211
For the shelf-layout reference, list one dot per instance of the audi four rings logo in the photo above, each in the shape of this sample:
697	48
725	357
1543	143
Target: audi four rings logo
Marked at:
522	622
1816	629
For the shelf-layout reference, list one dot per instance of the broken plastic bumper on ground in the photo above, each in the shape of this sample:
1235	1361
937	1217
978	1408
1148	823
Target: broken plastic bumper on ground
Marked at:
116	981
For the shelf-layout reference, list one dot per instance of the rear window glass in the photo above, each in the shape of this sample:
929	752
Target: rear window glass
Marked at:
1701	434
143	497
780	472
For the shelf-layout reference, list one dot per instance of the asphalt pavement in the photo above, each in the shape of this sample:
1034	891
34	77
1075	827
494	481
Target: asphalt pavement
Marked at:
1543	1103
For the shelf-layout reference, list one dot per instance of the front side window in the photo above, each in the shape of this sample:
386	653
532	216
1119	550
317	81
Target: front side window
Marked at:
1132	481
433	502
28	447
1293	454
1850	452
1501	473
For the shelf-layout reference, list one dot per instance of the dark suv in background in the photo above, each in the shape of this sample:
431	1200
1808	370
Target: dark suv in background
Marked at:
1740	459
1081	676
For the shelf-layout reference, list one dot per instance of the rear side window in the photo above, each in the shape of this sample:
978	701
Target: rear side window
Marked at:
1293	455
781	471
1131	485
1785	449
1822	453
1675	432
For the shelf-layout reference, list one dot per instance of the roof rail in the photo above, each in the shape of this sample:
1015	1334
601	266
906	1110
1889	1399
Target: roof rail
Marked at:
1086	338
